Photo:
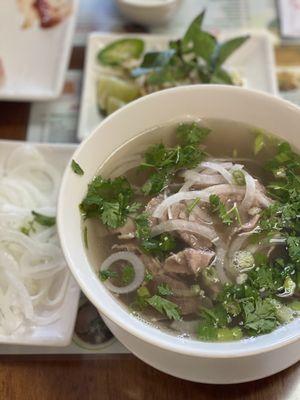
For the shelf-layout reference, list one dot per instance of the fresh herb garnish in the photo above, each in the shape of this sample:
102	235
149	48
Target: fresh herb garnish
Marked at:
163	162
197	54
259	316
191	133
164	290
43	219
127	274
107	274
225	215
170	309
160	245
76	168
111	201
218	207
148	276
239	177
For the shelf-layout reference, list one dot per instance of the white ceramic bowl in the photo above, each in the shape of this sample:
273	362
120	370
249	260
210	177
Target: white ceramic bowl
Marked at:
190	359
149	13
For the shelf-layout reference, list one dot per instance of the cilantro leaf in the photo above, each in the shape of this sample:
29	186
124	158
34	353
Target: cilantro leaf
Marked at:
109	200
164	162
191	133
164	290
239	177
159	245
127	274
76	168
107	274
260	316
170	309
219	208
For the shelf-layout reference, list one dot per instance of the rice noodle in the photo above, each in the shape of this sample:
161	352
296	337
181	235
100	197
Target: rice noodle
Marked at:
184	226
139	271
33	274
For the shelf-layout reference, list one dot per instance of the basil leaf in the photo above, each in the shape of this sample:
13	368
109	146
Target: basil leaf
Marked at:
224	50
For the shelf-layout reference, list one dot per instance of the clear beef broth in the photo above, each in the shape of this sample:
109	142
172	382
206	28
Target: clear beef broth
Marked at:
196	287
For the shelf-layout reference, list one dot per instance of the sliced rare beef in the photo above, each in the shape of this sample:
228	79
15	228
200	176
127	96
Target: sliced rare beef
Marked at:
187	305
150	208
179	211
188	261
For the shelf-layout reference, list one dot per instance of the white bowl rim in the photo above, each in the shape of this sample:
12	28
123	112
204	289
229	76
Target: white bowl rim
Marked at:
143	4
222	350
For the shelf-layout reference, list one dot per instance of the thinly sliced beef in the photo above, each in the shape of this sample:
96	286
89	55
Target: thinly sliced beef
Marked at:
188	261
187	305
192	240
175	285
151	206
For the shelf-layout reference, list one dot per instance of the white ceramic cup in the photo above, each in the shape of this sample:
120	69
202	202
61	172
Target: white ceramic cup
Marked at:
230	362
148	13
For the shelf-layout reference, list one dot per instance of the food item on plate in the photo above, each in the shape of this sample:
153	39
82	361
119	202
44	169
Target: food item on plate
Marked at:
195	58
47	13
33	273
197	238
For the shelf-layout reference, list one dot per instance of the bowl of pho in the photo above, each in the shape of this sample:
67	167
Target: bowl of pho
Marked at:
179	218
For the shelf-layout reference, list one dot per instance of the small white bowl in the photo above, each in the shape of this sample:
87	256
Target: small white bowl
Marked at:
230	362
148	12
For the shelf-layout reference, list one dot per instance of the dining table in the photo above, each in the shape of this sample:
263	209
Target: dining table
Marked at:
119	376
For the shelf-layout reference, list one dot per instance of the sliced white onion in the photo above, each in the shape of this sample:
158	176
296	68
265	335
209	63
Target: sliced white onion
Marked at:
222	163
202	194
137	264
250	191
220	265
184	226
33	274
201	179
219	168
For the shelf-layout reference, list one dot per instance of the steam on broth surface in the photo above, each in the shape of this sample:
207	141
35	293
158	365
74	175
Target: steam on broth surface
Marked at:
195	228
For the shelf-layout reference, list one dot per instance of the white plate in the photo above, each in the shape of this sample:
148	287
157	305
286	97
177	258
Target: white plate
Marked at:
34	59
254	61
60	332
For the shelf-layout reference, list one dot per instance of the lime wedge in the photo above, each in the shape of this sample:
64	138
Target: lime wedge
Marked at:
120	89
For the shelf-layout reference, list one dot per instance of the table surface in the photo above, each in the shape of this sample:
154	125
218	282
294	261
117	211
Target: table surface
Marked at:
118	376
